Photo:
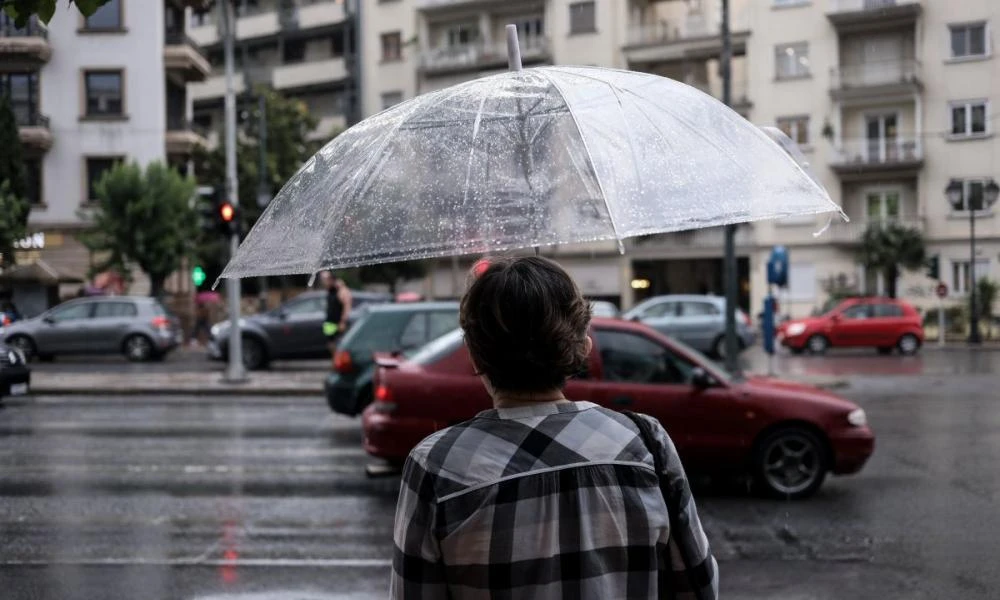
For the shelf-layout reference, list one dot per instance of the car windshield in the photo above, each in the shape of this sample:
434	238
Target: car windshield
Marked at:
435	349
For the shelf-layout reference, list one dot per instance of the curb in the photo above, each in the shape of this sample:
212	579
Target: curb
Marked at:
173	391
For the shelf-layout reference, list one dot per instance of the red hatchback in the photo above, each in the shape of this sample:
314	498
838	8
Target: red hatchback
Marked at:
788	436
883	323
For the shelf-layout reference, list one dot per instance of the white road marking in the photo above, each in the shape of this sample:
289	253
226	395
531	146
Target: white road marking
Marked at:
380	563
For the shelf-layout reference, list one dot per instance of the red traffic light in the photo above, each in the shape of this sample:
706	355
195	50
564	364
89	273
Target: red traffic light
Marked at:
227	212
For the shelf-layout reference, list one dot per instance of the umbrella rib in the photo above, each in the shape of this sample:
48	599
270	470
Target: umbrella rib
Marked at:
590	159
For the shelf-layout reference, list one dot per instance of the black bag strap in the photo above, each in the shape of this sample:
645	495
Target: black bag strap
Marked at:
671	496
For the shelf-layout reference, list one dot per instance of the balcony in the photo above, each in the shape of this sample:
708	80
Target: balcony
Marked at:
214	87
265	21
871	159
851	16
182	136
480	55
26	48
876	79
694	38
850	234
182	58
33	129
312	74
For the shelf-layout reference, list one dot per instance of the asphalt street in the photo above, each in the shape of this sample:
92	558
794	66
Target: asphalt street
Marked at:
266	497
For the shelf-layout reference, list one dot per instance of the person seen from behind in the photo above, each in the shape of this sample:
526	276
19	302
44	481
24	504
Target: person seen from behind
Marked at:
338	307
543	497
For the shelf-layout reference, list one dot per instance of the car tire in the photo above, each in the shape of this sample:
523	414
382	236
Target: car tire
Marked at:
25	344
818	344
908	344
254	354
884	350
138	348
790	463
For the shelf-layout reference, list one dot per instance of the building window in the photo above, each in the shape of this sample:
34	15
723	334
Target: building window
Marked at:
972	194
390	99
295	51
960	281
96	168
104	93
461	34
106	18
22	91
968	40
968	118
33	180
797	128
392	46
582	17
791	60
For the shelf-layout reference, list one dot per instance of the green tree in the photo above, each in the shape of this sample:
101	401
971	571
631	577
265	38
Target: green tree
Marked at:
392	273
888	248
22	10
145	218
14	207
986	297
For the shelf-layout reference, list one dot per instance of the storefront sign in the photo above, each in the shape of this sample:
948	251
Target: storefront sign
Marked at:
35	241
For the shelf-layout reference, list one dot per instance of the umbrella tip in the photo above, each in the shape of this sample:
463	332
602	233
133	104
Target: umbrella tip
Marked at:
513	49
312	280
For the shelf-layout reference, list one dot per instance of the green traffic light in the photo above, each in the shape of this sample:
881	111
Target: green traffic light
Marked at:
198	276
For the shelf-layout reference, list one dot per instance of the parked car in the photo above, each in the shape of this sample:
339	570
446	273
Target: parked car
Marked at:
138	327
788	436
603	308
392	328
882	323
15	377
293	330
698	321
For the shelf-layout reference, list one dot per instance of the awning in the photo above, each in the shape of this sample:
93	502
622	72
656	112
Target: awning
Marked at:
37	272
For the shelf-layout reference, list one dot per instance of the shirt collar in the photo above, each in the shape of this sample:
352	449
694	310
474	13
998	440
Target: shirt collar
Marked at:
542	409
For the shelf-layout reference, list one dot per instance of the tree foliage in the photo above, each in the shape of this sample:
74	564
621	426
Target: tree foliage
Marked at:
889	248
14	207
145	218
22	10
986	295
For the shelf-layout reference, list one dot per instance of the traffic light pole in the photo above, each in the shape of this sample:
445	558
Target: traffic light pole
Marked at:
731	281
235	372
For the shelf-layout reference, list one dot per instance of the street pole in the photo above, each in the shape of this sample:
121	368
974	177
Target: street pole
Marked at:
941	322
974	337
263	191
731	282
235	372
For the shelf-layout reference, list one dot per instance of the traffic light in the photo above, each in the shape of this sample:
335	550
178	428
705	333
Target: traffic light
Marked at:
934	267
198	276
228	219
209	198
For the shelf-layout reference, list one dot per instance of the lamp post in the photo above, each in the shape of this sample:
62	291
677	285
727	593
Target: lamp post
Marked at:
954	193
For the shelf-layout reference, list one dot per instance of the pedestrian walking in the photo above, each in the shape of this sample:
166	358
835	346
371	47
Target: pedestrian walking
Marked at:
544	497
338	307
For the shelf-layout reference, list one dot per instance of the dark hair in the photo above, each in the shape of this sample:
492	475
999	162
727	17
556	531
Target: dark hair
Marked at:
525	324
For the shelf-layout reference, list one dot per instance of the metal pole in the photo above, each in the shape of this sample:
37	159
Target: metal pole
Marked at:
941	323
974	337
235	372
730	282
263	191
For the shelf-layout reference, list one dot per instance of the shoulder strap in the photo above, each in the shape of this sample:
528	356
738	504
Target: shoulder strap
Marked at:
648	440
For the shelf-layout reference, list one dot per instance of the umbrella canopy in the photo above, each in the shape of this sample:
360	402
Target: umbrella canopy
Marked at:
544	156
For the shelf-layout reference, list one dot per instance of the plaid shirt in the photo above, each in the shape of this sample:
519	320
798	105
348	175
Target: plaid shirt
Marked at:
558	500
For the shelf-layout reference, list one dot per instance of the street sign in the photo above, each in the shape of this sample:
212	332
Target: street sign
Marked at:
942	290
777	267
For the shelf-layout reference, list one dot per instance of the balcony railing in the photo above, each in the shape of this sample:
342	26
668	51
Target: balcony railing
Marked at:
478	54
32	29
876	73
178	37
880	151
665	32
178	123
839	6
851	233
30	118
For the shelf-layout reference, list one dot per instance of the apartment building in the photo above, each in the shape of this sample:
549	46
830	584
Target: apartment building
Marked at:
87	93
891	100
302	48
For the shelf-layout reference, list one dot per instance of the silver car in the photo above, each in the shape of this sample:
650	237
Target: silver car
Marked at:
138	327
698	321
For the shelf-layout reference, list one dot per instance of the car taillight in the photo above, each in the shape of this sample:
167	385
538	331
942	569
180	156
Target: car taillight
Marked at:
161	322
342	362
382	393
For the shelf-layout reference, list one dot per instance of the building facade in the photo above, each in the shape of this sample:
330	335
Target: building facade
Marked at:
891	101
87	93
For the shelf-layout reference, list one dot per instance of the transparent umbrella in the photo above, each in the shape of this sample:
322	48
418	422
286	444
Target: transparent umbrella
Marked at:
543	156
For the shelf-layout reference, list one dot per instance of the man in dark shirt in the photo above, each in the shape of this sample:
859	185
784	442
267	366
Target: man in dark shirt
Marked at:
338	306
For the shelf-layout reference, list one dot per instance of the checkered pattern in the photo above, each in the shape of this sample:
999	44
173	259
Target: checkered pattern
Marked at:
558	500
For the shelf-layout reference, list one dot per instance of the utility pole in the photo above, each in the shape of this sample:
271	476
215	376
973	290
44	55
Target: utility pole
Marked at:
235	372
263	190
731	281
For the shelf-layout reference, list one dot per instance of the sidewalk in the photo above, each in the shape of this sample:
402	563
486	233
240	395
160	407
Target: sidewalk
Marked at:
260	383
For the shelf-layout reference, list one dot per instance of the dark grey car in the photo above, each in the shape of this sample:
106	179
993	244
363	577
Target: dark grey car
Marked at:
698	321
293	330
137	326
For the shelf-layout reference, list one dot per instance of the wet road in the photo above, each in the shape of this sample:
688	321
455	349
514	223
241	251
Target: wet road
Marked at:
208	497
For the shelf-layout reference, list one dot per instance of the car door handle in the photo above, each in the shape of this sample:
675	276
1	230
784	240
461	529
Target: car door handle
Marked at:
622	401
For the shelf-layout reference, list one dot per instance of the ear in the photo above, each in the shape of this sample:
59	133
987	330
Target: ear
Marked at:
590	344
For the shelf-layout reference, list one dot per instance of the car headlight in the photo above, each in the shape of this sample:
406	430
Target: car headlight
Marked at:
795	329
13	357
857	417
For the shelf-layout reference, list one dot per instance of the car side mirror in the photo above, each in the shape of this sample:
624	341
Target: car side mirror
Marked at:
701	379
836	317
48	320
635	318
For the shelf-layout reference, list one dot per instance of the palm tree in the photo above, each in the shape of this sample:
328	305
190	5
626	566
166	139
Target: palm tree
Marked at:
986	295
889	248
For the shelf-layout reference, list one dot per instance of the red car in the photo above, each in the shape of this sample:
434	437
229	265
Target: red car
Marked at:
788	436
883	323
